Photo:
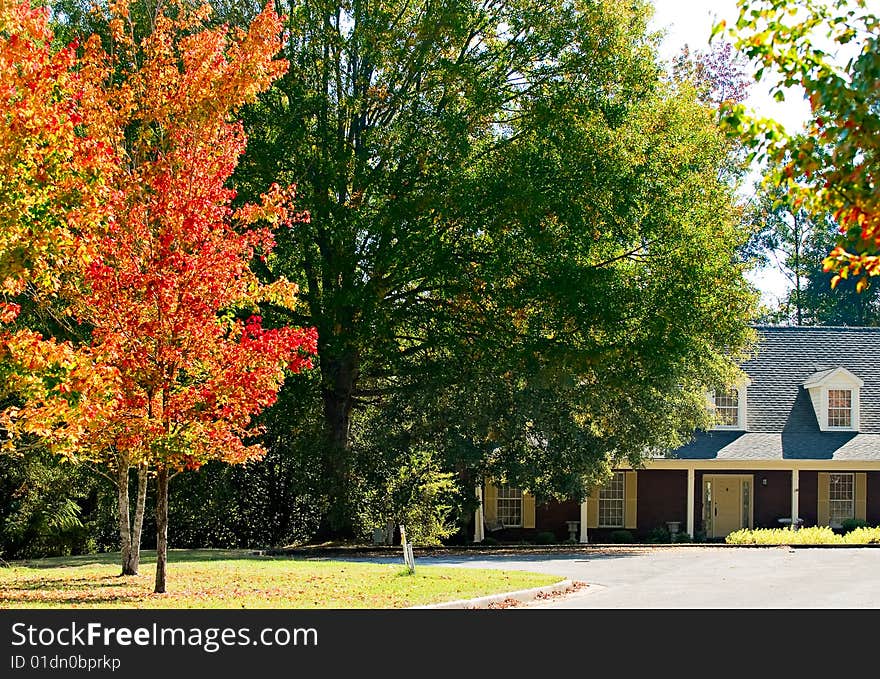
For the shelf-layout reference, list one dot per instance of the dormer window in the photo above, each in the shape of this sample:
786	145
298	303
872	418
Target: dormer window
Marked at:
834	393
840	408
729	405
727	408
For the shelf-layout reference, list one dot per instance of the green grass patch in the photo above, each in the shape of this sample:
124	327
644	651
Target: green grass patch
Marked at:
815	535
238	579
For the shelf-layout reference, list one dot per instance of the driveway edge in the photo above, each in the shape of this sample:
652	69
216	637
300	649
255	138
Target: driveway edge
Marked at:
522	595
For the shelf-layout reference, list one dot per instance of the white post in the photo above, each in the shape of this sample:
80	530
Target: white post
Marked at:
478	516
795	486
583	537
690	502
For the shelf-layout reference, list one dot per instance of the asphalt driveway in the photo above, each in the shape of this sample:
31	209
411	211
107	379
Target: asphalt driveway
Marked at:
699	576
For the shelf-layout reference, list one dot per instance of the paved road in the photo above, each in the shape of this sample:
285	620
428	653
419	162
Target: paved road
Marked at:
701	577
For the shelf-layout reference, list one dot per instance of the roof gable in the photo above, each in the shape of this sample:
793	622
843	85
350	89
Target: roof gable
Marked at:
833	376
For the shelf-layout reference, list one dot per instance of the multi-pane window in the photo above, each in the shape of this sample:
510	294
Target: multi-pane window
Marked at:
841	498
839	408
727	407
510	506
611	502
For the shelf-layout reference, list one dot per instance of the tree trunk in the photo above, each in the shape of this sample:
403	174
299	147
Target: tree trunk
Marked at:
161	527
130	567
340	376
122	510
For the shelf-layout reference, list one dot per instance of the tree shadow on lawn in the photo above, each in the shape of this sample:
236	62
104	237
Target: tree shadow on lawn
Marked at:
148	558
60	591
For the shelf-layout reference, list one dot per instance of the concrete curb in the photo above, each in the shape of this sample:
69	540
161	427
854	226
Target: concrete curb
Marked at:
522	595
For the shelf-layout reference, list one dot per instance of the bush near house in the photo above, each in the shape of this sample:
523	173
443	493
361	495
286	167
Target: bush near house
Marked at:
545	538
815	535
849	525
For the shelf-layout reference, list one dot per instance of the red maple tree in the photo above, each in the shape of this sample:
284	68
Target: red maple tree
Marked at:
179	360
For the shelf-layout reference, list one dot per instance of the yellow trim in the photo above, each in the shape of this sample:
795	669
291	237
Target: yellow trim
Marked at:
528	510
490	503
823	508
593	508
861	496
630	495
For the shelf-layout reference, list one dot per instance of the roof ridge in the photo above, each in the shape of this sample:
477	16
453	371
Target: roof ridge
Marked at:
817	327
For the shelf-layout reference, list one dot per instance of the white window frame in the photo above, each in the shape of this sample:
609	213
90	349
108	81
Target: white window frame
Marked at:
740	424
513	497
608	493
850	502
851	409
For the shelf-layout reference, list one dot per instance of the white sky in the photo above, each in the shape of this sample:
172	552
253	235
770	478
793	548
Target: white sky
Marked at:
690	22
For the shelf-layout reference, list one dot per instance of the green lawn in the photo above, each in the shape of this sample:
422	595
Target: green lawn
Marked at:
238	579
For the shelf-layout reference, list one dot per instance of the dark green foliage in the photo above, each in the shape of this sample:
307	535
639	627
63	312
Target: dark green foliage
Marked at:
489	541
545	538
659	535
50	508
621	536
272	502
848	525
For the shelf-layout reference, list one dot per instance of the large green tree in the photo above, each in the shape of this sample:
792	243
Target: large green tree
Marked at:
520	251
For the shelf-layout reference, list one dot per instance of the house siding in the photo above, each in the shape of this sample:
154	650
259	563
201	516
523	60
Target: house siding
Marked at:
552	516
808	497
773	501
872	516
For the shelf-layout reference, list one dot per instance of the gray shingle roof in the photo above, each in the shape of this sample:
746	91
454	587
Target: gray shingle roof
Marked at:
781	422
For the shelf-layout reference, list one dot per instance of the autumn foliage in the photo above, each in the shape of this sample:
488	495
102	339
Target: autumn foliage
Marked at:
179	362
833	167
51	181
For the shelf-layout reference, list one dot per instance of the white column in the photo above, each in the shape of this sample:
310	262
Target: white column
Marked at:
795	486
584	539
478	516
690	502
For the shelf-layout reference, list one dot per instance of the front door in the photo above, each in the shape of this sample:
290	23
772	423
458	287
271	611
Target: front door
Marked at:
727	503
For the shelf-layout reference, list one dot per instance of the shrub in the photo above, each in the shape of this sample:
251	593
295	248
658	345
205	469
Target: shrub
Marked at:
489	540
862	535
621	536
545	538
849	525
681	536
815	535
658	535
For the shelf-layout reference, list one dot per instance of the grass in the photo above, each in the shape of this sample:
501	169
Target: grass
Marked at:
238	579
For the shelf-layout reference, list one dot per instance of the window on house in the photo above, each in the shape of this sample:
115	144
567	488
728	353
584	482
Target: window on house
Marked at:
510	506
726	407
839	408
841	498
611	502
